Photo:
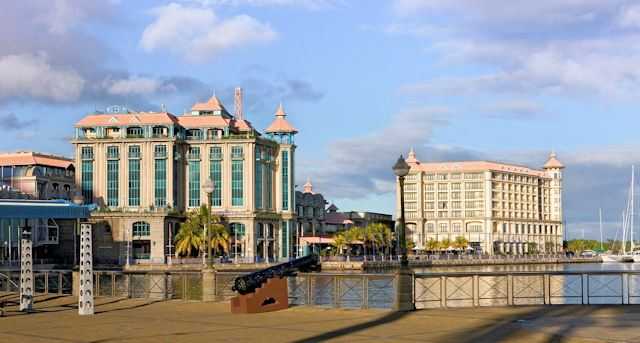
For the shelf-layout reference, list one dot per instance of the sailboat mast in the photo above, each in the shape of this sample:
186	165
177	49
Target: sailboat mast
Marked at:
632	205
600	215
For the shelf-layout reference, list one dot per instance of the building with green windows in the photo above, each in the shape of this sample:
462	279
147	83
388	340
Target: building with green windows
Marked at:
145	170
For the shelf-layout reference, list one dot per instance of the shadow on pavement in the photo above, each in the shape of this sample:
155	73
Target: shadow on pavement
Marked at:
389	318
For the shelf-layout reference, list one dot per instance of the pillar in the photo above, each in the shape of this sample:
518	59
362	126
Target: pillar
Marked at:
404	290
208	284
26	271
85	296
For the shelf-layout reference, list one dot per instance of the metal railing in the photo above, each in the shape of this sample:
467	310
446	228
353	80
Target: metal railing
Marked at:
440	290
337	290
149	285
44	282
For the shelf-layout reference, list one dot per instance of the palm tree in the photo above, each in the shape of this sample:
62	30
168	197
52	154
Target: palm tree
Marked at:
189	238
339	242
220	238
460	243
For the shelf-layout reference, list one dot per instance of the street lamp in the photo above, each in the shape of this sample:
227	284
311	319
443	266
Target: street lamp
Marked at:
208	188
78	200
401	169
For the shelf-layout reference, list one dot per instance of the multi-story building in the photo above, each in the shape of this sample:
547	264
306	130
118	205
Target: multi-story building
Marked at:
39	176
144	169
310	217
364	218
497	207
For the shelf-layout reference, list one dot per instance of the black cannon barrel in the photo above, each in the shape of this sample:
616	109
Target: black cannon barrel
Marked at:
248	283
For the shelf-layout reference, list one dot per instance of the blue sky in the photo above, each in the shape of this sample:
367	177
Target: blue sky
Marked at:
362	80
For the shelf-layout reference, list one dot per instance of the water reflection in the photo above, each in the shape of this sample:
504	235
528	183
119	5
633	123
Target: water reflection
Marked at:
550	267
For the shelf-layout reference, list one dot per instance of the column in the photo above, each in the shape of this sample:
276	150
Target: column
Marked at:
26	271
85	296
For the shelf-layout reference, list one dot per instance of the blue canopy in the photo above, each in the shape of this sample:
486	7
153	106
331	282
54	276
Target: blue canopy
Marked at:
33	209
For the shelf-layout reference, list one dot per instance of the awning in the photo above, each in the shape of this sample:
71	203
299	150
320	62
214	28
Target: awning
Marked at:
32	209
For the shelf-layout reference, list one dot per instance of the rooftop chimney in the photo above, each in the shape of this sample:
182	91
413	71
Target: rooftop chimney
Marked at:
238	103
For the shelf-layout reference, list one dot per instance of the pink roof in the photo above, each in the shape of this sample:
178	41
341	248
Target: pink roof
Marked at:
127	119
243	125
189	121
553	162
474	166
33	158
280	124
213	104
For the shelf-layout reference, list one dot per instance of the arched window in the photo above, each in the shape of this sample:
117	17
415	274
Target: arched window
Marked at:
141	229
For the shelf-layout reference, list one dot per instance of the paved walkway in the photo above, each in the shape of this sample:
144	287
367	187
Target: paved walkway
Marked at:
119	320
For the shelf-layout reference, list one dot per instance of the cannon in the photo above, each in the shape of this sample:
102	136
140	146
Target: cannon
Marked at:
266	290
248	283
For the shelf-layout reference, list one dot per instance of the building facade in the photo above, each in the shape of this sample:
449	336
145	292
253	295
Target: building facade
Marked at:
497	207
146	169
40	176
310	217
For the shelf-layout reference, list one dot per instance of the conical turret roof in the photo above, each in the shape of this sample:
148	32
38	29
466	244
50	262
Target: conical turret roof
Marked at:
281	124
553	162
213	104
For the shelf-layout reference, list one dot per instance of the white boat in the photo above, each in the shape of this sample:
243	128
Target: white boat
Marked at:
627	230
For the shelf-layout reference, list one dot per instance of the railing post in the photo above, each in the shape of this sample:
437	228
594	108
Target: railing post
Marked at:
476	290
509	289
625	288
59	283
336	291
309	289
546	285
113	285
443	291
46	282
585	289
365	292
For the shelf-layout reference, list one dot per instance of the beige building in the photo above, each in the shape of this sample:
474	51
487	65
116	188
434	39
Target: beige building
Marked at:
145	169
497	207
39	176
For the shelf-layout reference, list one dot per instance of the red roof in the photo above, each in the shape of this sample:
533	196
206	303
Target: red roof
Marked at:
189	121
280	124
33	158
127	119
213	104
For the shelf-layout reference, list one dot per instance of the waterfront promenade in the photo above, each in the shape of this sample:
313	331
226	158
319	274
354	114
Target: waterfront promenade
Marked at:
117	320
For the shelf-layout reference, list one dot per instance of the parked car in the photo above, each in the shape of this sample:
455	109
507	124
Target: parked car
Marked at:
588	253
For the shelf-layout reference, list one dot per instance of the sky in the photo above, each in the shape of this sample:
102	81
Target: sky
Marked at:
363	81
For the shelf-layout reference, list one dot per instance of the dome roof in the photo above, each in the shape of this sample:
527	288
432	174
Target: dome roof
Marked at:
553	162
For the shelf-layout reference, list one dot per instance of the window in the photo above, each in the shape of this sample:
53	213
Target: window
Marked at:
113	165
455	176
430	187
284	239
442	187
237	189
87	174
441	177
442	205
430	177
258	178
431	227
442	195
236	228
160	151
135	132
429	205
134	175
215	171
141	229
443	227
456	227
430	196
285	180
194	177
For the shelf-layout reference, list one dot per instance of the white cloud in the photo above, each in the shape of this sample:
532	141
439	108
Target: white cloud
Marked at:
137	85
198	35
630	17
31	75
310	4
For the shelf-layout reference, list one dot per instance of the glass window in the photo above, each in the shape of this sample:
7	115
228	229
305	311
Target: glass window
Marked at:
113	171
258	178
141	229
134	175
237	177
285	180
215	171
194	177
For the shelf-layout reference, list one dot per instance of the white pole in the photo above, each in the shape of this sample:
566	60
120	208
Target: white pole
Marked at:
600	214
632	204
235	243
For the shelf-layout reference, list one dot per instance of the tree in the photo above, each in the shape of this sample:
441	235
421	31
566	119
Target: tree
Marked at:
432	245
339	242
191	237
460	243
445	244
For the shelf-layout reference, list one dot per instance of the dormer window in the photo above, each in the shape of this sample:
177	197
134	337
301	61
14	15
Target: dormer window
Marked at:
195	113
135	132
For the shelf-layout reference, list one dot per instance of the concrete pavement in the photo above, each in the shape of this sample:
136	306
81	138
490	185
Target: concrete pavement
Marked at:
128	320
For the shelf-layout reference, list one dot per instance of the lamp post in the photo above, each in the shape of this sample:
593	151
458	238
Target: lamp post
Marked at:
78	200
208	188
401	169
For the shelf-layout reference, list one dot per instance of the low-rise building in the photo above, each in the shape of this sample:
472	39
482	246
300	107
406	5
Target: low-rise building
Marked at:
497	207
40	176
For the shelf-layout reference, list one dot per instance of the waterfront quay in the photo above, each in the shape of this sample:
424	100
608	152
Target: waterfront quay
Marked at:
131	320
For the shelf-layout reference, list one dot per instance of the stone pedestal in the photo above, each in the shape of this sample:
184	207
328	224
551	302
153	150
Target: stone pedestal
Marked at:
273	295
157	285
208	284
404	290
26	273
85	293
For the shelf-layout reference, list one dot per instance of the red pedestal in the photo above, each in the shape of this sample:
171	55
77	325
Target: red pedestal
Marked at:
271	296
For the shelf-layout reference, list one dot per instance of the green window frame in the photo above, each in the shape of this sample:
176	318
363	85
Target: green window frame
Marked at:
285	180
160	176
268	171
87	174
215	173
134	175
258	178
237	179
141	229
194	177
113	172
